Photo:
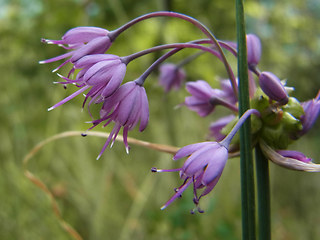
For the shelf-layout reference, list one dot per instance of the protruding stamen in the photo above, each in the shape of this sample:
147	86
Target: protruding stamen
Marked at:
165	170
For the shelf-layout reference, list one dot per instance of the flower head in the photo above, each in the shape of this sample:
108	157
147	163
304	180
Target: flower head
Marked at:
126	107
103	73
202	168
204	99
82	41
273	88
171	76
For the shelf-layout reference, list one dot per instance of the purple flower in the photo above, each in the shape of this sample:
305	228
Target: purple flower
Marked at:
273	88
103	73
82	41
311	112
253	50
126	107
228	93
295	155
171	76
217	126
202	168
204	99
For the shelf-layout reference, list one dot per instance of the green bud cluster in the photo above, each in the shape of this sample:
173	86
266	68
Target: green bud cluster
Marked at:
279	123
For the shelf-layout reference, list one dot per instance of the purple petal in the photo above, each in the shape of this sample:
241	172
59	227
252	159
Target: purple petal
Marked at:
83	34
215	167
177	194
125	107
295	155
97	45
210	186
99	73
201	158
69	98
189	149
144	119
90	60
54	59
199	89
117	75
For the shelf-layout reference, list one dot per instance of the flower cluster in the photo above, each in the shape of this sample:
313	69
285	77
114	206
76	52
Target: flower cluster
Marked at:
279	118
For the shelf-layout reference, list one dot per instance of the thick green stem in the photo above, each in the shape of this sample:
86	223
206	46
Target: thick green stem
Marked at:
247	173
263	186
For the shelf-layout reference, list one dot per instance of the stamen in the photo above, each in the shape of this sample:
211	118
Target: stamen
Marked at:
165	170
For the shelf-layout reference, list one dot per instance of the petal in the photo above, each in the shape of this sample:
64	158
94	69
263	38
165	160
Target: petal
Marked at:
125	107
90	60
97	45
200	159
199	89
99	73
117	76
83	34
210	186
216	166
189	149
144	117
178	193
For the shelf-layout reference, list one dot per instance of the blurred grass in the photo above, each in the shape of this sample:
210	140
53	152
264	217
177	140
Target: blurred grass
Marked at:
117	197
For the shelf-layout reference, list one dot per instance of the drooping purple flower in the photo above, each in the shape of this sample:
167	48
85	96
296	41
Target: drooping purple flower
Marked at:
253	50
311	112
216	127
273	88
82	41
126	107
295	155
171	76
202	168
102	73
205	163
204	99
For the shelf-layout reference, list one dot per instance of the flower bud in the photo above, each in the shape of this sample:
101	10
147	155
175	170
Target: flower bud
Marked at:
273	88
253	50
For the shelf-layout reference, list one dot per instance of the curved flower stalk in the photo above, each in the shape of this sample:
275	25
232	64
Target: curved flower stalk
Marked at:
204	165
126	107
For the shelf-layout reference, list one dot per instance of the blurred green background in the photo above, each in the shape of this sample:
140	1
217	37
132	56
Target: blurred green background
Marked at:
117	197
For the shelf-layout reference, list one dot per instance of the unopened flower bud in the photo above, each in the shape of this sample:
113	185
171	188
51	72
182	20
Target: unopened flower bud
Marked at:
253	50
273	88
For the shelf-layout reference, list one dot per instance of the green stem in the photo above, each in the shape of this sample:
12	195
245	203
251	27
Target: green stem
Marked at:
263	186
246	160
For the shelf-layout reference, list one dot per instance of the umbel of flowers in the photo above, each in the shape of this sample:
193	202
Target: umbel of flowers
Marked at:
279	119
